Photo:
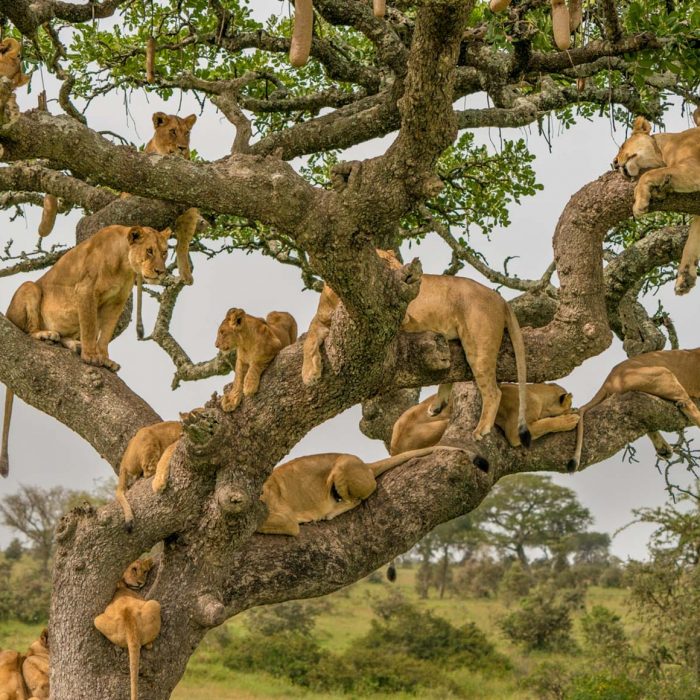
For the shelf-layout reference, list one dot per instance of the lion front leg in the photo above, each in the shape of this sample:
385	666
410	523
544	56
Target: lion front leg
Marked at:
312	365
108	319
89	328
654	183
185	227
231	400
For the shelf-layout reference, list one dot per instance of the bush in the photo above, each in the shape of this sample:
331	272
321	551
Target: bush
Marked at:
605	636
284	654
549	680
515	584
603	686
479	578
292	616
543	622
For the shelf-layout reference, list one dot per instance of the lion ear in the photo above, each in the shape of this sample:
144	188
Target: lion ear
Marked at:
134	235
641	126
159	118
190	120
165	233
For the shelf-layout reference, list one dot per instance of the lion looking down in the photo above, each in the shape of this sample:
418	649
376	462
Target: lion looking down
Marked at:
665	163
79	300
257	343
129	621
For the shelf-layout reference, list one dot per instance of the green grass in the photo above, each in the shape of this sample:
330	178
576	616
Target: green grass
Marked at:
349	617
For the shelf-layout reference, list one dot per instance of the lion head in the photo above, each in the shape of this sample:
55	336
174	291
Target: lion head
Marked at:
229	330
351	478
556	401
640	152
137	572
391	258
147	251
172	134
10	66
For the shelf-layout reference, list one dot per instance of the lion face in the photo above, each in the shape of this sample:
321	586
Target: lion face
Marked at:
172	134
226	337
10	66
148	249
640	152
556	401
390	257
136	573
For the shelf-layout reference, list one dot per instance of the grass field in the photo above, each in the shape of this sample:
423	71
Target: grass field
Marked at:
348	618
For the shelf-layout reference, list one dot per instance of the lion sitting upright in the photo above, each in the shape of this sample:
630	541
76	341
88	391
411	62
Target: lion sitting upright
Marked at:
129	621
321	487
673	375
665	163
35	667
79	300
548	411
257	343
457	308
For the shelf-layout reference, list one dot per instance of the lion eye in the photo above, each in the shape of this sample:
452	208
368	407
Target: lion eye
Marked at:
149	252
173	132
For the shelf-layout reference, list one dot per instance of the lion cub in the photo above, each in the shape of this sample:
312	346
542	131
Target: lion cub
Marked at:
673	375
321	487
11	681
78	302
665	163
145	455
455	307
35	668
548	411
11	68
257	343
129	621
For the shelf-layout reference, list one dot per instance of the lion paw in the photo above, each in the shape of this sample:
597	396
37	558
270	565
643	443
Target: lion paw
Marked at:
311	373
639	209
111	364
685	280
50	336
570	421
230	402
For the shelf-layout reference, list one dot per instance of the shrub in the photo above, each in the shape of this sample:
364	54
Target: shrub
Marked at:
515	584
292	616
543	622
603	686
605	636
549	680
479	578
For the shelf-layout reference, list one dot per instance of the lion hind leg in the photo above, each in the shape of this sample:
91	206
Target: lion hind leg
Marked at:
688	267
160	480
280	522
442	398
185	227
554	424
482	360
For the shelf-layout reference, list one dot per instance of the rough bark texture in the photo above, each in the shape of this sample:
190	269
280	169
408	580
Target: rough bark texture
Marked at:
213	565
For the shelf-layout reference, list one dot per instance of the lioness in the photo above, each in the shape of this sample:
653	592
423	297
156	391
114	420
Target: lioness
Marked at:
665	162
548	411
79	300
35	668
11	681
455	307
171	136
257	343
142	457
321	487
669	374
129	621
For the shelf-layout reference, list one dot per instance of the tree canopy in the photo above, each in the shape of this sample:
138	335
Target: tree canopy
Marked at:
426	75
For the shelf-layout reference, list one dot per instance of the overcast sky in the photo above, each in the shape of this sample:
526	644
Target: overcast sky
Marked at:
43	451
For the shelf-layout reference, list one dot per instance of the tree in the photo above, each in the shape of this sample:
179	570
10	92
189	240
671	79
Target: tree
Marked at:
367	77
530	511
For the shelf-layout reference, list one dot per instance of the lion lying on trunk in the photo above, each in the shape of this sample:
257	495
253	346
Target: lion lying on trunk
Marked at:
457	308
669	374
548	411
79	300
665	163
129	621
257	343
321	487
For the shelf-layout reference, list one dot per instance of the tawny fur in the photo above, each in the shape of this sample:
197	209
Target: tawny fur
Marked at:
35	667
300	46
673	375
79	300
129	621
321	487
257	343
548	411
665	163
457	308
11	681
142	458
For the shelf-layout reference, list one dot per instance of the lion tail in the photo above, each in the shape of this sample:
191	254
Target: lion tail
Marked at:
384	465
121	497
575	461
4	454
134	646
516	338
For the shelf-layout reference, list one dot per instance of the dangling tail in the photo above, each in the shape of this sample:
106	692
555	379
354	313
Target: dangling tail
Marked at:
120	495
4	455
516	338
575	461
139	297
134	647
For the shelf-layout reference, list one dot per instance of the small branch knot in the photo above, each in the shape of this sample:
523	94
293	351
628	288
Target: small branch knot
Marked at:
232	500
209	611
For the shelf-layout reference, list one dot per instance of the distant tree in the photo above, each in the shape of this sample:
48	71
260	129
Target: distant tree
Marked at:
666	589
34	512
529	510
14	550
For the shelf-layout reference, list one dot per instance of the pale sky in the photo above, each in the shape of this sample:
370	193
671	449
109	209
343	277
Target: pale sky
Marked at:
43	451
